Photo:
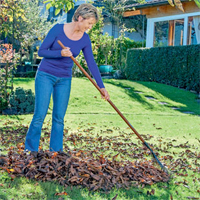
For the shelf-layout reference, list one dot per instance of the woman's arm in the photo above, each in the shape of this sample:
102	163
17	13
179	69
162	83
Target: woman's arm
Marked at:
88	54
45	49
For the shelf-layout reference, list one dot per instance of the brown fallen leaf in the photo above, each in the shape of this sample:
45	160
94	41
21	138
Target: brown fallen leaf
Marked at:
115	197
152	191
62	193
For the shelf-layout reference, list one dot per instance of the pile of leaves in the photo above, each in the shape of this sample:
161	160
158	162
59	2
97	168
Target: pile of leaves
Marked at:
80	168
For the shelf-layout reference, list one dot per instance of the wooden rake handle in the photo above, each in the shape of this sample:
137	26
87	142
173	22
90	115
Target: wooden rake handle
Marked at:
116	109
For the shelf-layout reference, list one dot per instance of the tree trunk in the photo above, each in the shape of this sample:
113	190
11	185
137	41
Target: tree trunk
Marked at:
6	81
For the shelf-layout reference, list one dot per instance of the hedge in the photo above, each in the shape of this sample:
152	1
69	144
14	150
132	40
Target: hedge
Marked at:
178	66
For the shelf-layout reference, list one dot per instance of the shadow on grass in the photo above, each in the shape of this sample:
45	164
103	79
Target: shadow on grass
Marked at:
136	193
177	95
3	197
23	80
172	93
131	92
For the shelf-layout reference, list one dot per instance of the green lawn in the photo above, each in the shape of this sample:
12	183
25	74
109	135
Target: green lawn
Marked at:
153	109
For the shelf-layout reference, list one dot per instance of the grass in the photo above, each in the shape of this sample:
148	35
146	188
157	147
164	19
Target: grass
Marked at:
89	115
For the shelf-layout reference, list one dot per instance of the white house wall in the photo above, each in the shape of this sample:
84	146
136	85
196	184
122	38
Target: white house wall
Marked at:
133	36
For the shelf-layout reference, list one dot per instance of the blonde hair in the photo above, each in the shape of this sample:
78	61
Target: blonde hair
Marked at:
86	11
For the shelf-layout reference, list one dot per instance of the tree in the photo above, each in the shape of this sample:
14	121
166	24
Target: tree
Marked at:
25	24
10	11
33	28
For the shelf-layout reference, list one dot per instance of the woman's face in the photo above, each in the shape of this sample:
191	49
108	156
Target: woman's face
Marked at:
86	24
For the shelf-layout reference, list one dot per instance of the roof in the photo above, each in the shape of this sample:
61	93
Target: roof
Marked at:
150	3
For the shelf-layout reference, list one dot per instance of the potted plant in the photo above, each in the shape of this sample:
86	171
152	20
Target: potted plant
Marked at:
105	52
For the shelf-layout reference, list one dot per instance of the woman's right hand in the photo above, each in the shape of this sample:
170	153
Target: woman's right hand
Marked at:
66	52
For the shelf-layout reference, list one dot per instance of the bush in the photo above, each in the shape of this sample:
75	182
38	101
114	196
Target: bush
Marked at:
22	101
122	45
3	104
177	66
116	55
30	74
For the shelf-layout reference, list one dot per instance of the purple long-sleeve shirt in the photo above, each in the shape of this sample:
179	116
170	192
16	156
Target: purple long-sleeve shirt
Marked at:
54	63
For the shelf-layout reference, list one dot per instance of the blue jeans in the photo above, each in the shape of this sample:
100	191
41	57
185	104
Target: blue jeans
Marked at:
45	85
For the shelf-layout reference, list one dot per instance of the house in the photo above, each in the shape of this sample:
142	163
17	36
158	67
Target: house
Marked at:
168	25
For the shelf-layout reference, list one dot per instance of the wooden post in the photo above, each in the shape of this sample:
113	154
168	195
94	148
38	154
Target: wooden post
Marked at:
189	33
181	41
171	33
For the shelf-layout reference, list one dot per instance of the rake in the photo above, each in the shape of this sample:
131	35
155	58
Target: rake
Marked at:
116	109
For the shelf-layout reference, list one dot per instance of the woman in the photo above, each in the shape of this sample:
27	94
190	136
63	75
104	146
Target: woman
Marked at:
55	72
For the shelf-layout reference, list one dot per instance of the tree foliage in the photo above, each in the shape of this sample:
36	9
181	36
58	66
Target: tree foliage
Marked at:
179	4
6	58
11	10
34	28
25	24
65	5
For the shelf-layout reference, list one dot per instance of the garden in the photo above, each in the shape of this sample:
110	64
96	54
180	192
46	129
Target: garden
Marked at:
102	157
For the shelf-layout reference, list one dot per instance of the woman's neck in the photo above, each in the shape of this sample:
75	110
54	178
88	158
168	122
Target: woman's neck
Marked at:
73	31
74	28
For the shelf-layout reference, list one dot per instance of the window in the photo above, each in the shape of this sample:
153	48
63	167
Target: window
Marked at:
173	30
169	33
161	34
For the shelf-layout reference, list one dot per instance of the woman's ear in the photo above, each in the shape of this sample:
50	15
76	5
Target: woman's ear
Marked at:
80	18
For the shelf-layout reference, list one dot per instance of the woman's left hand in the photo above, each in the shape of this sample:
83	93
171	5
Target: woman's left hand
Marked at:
105	95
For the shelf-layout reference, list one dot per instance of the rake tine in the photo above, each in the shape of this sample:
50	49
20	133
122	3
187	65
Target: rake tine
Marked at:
154	155
116	109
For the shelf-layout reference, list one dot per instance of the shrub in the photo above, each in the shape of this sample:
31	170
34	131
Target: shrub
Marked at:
122	45
116	53
3	104
22	101
30	74
177	66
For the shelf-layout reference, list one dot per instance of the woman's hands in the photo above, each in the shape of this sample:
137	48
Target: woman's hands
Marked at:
105	95
66	52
